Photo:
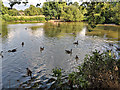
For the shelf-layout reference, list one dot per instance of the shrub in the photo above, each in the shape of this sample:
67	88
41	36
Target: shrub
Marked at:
99	70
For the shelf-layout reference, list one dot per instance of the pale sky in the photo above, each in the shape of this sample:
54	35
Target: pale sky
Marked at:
33	2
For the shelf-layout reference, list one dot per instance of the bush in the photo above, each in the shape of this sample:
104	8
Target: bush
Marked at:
99	70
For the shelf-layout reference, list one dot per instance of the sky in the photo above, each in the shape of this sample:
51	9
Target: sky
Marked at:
31	2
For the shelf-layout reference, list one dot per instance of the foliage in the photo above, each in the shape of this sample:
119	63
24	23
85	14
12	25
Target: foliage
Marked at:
57	72
92	12
32	11
13	12
102	12
72	13
99	70
47	18
4	10
8	18
53	9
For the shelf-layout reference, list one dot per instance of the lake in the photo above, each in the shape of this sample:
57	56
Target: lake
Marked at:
55	38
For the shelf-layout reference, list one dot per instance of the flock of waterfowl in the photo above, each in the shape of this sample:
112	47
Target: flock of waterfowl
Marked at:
13	50
29	72
70	51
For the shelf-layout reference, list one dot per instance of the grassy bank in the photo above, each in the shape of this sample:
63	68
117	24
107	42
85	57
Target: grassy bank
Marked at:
23	18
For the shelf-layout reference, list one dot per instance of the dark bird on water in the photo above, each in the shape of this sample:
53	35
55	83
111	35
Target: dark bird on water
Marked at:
76	43
1	54
41	49
22	44
14	50
76	58
68	51
29	72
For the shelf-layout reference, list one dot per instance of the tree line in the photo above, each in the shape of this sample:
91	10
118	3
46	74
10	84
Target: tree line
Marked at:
92	12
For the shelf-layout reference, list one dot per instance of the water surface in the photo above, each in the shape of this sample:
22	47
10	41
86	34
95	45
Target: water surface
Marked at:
55	38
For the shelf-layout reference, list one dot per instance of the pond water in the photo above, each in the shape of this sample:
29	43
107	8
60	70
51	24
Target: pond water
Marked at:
55	38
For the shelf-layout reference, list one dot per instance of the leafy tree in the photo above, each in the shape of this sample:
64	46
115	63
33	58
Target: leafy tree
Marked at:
13	12
53	9
72	13
4	10
32	10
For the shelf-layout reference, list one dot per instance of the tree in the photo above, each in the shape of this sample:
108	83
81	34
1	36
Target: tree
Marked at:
13	12
4	10
53	9
32	10
72	13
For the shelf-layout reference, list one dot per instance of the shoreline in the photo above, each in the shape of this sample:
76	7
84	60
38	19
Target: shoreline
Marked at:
56	21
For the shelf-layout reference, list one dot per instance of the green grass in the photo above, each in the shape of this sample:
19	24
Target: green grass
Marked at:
23	18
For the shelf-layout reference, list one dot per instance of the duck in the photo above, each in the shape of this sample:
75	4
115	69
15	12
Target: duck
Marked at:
22	44
76	43
68	51
76	57
29	72
14	50
41	49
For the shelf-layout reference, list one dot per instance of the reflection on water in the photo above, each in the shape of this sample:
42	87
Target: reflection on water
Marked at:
109	32
56	38
83	32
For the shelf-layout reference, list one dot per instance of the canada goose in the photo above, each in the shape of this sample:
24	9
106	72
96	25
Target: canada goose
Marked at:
76	43
22	44
76	57
68	52
29	72
14	50
41	49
